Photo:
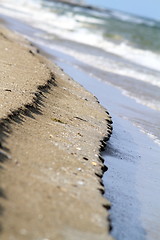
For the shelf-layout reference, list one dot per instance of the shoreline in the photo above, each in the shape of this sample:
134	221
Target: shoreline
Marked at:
131	156
67	125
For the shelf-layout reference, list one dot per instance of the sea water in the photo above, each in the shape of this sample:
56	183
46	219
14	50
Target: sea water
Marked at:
128	45
116	56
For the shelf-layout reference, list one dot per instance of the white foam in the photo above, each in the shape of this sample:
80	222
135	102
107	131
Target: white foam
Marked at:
150	135
139	56
84	19
72	28
149	103
109	65
33	13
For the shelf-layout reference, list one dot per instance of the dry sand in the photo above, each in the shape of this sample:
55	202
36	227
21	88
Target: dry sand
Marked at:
51	130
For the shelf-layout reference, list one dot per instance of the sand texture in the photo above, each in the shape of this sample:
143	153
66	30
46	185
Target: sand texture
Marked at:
51	132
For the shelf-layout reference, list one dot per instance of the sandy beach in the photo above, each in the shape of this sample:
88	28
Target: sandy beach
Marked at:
51	134
52	176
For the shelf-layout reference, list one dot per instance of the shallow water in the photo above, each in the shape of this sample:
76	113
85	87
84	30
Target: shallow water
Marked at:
122	45
133	180
133	177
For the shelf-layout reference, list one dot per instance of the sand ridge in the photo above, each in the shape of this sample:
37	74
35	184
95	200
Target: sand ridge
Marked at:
50	139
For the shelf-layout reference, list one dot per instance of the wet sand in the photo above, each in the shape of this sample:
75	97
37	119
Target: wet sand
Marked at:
50	141
132	180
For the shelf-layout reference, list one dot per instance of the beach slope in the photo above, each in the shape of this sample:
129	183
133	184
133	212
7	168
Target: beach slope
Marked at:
51	132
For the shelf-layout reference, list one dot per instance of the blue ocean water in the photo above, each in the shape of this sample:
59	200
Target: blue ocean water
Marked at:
122	52
128	45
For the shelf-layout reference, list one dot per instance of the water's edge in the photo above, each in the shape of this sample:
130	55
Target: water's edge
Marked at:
131	174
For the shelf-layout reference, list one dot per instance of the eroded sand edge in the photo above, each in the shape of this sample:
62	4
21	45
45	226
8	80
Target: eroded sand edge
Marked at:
51	132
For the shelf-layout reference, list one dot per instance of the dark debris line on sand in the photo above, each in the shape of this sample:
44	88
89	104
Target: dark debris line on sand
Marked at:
50	174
